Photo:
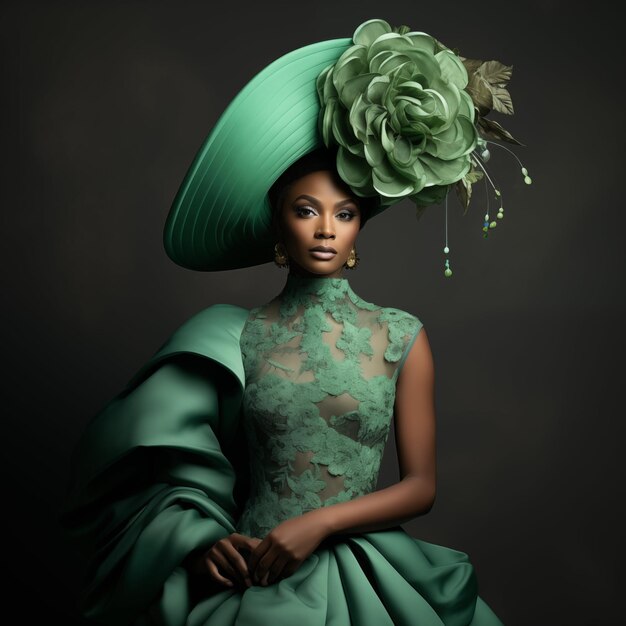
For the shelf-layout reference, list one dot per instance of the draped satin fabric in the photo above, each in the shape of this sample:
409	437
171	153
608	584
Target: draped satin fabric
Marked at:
162	471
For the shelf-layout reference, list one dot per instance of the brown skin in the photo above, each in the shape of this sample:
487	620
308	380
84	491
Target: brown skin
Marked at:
330	216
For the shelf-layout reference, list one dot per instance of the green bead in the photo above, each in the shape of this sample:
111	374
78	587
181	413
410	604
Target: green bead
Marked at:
524	171
448	272
485	228
500	215
496	192
493	224
446	249
528	180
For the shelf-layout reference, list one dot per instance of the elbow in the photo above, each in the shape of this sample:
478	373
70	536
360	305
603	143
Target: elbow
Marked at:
430	501
425	496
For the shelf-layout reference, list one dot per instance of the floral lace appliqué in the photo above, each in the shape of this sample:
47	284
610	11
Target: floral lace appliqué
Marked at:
321	368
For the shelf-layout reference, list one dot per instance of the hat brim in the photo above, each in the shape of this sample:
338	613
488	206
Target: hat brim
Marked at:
221	216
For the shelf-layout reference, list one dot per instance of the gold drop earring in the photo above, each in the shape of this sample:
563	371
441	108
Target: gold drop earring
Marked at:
280	255
353	259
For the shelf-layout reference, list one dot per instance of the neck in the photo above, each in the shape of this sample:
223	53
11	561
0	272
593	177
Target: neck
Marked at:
315	283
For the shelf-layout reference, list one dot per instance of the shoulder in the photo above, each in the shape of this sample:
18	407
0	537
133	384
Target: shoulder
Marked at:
400	316
215	327
212	333
403	328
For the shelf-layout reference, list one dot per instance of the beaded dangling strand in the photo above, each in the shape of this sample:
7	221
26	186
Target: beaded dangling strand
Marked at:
447	271
480	156
485	156
487	224
527	179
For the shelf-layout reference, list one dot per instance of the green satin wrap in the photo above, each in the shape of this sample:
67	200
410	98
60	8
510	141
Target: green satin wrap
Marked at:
161	471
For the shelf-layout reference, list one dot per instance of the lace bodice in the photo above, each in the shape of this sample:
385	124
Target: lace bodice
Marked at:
321	366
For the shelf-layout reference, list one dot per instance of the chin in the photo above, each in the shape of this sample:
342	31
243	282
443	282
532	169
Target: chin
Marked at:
319	267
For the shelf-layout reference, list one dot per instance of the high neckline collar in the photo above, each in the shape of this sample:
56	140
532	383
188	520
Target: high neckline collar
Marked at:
318	285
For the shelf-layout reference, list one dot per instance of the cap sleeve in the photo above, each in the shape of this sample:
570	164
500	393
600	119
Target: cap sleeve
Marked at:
404	327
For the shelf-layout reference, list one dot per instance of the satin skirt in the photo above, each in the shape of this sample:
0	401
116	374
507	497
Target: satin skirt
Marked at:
384	578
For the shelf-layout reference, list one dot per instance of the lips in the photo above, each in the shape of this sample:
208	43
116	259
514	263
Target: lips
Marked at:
324	253
324	249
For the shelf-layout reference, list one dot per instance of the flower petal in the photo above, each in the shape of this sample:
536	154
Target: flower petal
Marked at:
452	68
369	31
353	170
374	153
376	89
441	172
388	182
422	41
350	90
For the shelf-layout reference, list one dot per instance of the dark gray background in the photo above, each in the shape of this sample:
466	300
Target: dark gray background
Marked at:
104	106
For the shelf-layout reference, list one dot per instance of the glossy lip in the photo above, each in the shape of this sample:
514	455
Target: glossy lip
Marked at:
324	256
324	249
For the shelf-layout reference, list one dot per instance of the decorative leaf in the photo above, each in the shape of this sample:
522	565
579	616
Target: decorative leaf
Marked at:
481	94
463	193
502	100
419	211
471	65
495	73
439	46
492	129
473	176
402	29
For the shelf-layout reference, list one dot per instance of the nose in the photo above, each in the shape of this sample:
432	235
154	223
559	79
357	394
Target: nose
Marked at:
326	229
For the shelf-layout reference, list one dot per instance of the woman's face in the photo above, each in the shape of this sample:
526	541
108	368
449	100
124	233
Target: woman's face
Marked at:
318	211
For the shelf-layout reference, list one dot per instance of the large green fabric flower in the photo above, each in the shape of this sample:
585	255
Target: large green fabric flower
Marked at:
395	106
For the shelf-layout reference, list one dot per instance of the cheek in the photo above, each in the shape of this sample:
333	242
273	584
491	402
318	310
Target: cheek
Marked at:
299	231
351	231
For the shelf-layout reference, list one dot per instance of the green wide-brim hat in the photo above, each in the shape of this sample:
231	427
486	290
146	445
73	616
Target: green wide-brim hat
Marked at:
221	216
393	102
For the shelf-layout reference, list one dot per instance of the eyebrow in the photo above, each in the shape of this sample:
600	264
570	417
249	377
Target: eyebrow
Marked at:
315	201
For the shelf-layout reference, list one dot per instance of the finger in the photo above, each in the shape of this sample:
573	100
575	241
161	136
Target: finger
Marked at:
264	565
256	555
238	563
224	565
248	546
252	542
276	570
213	571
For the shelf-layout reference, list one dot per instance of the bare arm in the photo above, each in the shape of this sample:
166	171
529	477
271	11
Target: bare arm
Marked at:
414	494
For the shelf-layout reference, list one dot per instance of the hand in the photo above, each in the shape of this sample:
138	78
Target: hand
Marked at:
224	562
283	549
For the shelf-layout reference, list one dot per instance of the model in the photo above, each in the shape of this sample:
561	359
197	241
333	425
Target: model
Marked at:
233	480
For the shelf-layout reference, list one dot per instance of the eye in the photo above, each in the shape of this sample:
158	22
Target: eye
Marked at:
349	215
301	210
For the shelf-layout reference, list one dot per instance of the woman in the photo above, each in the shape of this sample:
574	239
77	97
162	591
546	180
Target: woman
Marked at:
233	480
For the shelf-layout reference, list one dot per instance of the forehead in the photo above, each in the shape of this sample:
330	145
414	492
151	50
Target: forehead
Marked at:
322	183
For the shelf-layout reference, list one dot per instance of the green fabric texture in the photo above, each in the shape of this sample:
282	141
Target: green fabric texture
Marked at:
395	104
242	419
221	216
321	366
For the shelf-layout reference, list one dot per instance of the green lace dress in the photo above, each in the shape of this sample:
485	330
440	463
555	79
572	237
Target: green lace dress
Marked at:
321	365
243	419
